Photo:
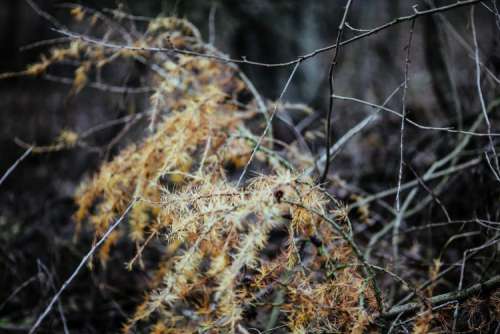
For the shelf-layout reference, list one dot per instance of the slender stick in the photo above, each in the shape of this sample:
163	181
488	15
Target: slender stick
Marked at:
340	143
330	99
15	164
397	224
268	125
415	124
79	267
403	114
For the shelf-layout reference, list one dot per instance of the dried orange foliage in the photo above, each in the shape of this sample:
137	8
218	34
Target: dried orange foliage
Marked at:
236	255
260	256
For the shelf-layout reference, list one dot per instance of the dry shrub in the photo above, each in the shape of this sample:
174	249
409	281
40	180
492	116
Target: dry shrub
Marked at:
269	254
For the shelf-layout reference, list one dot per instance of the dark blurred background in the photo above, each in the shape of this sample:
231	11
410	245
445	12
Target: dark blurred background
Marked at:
36	201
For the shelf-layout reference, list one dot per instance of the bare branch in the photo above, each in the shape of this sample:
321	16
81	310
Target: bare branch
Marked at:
488	285
268	125
79	267
312	54
415	124
397	225
328	131
481	97
15	164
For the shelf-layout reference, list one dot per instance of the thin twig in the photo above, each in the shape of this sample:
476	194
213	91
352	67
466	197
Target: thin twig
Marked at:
258	98
300	59
15	164
50	278
113	25
411	184
100	86
488	285
462	42
52	41
418	125
438	276
403	113
397	224
45	15
119	14
430	191
462	274
481	97
431	173
331	83
268	124
481	222
354	130
18	289
79	267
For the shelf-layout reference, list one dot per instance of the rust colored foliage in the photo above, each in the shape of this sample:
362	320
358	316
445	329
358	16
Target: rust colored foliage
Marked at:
258	256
